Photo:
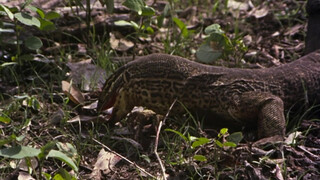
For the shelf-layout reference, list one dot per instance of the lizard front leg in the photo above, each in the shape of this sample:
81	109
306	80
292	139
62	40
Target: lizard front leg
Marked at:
271	120
266	109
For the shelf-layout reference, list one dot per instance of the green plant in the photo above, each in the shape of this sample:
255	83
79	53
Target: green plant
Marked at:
224	140
65	153
191	152
218	45
176	33
192	143
145	14
22	16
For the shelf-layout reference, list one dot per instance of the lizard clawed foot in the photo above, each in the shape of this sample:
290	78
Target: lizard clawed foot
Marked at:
272	139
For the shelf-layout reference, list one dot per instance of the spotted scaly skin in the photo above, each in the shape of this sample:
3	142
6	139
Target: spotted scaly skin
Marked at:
228	97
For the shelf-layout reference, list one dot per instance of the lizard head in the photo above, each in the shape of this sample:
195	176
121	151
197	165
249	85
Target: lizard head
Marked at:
106	103
111	89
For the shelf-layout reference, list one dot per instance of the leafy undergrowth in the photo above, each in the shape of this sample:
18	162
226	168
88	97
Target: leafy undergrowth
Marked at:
51	78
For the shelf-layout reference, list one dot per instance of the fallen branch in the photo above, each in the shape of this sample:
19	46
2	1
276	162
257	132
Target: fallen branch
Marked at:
130	162
157	140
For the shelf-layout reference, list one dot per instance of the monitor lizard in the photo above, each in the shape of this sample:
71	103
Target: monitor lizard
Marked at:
228	96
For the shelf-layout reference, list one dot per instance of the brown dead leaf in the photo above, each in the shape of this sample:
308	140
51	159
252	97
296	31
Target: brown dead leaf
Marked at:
24	166
91	106
25	176
57	116
120	44
105	163
82	118
243	6
278	173
259	13
72	92
292	138
294	30
87	74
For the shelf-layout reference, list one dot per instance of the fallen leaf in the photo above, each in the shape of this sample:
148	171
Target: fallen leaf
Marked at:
243	6
88	75
72	92
57	116
91	106
294	30
120	44
25	176
259	13
291	139
24	166
82	118
105	162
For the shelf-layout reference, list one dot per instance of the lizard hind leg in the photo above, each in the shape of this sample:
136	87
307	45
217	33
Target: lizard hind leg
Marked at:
271	119
265	110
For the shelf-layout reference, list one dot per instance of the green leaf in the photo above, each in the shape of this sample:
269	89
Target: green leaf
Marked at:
6	30
68	149
26	19
235	137
135	5
214	28
147	11
122	23
8	140
192	138
218	143
19	138
19	152
109	4
46	149
223	131
63	175
25	4
9	13
126	23
47	25
207	55
230	144
26	57
4	119
52	15
160	20
178	133
200	158
33	43
146	158
200	141
14	41
134	24
167	9
46	175
35	104
150	30
182	27
62	157
8	64
37	10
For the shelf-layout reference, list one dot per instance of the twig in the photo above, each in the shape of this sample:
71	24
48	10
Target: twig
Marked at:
130	162
157	140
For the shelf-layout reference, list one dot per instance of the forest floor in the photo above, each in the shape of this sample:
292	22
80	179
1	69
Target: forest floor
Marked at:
49	126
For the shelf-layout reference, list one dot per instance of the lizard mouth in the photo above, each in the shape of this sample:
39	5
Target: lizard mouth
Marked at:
103	105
